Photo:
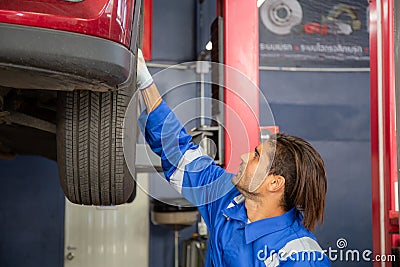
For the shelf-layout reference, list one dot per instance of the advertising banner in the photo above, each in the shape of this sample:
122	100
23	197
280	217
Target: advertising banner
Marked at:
311	33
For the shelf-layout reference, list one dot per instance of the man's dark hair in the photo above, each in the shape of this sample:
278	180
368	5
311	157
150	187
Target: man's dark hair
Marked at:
305	179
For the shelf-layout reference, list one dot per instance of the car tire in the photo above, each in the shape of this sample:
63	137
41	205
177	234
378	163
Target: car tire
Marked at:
90	156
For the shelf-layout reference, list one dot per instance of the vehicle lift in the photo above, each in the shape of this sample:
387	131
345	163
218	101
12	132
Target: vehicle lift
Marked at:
385	115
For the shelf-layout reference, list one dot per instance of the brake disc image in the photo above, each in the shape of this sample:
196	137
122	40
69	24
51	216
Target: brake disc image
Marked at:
279	16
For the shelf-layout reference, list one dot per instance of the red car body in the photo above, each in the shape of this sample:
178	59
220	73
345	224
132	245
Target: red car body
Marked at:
102	18
68	44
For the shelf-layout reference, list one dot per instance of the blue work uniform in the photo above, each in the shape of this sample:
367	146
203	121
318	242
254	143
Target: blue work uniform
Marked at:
234	240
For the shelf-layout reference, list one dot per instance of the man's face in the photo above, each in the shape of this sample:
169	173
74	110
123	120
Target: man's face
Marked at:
253	170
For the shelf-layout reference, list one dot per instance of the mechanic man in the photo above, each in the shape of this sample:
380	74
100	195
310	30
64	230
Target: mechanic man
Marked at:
265	219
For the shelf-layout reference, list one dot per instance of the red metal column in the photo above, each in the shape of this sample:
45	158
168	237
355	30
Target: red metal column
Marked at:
390	112
374	130
383	135
241	98
147	28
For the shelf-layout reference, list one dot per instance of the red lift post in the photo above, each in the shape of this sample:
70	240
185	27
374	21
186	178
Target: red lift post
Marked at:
147	28
383	129
241	98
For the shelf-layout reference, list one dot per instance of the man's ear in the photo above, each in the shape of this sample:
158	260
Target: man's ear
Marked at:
276	183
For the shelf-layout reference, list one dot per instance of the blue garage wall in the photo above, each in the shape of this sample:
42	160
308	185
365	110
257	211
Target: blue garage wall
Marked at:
31	213
320	106
331	110
174	31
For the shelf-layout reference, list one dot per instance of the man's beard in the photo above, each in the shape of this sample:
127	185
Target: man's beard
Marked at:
244	190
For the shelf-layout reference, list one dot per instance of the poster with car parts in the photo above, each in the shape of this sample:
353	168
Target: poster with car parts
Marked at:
313	33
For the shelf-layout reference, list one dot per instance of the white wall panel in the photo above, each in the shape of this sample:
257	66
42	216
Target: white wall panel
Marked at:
108	236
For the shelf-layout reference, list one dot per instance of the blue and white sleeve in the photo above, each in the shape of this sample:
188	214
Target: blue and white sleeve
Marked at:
185	166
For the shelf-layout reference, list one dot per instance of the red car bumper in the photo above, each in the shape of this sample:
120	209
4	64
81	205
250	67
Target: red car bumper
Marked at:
59	45
107	19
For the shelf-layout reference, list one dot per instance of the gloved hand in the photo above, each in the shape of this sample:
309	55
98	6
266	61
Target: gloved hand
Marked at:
144	79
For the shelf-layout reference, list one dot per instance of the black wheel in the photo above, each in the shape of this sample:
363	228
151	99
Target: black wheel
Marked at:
90	157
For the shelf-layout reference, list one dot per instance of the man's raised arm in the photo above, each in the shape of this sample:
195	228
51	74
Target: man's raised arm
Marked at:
190	171
146	85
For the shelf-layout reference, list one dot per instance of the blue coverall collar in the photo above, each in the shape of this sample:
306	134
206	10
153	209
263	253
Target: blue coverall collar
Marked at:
267	226
237	212
260	228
